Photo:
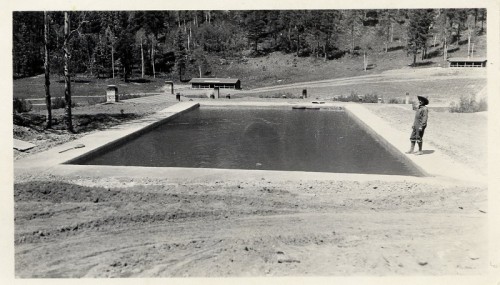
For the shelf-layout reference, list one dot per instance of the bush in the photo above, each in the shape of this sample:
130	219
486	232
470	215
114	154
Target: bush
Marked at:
468	104
280	95
22	106
59	103
370	98
394	101
353	97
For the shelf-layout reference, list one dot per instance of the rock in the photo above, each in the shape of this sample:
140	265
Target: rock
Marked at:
422	263
473	255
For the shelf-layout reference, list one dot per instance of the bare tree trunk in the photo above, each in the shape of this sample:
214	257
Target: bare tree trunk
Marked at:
468	43
352	39
298	42
189	38
113	60
48	102
142	61
153	58
364	60
445	50
67	79
199	68
392	33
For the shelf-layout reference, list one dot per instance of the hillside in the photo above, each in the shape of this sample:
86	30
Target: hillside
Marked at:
256	72
278	68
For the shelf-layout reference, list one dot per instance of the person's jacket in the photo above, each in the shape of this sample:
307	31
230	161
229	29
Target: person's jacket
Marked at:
421	117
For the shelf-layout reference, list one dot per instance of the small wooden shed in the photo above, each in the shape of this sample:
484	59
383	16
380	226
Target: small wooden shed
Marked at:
207	83
467	62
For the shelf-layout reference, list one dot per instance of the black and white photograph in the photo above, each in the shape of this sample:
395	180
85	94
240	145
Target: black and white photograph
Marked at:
221	141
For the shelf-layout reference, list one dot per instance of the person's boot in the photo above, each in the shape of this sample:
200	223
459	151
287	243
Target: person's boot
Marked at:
419	152
411	148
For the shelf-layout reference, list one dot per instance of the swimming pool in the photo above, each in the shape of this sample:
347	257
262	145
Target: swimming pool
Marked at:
258	138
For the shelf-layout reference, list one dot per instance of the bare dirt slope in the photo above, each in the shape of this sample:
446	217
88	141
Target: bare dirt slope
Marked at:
247	228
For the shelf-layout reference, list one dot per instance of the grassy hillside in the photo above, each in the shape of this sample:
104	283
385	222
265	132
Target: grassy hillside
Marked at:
278	68
274	69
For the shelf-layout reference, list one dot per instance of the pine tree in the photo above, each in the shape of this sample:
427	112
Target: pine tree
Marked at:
181	54
256	28
352	22
418	31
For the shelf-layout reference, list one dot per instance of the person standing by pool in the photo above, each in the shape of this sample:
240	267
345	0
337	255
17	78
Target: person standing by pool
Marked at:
419	125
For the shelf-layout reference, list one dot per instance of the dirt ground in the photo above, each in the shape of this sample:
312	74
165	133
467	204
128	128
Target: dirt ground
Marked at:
148	228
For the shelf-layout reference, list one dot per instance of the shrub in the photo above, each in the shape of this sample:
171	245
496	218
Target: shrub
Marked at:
370	98
279	95
468	104
22	106
394	101
353	97
59	103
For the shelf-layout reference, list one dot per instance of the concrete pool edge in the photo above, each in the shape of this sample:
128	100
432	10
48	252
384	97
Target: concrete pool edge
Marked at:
436	165
101	141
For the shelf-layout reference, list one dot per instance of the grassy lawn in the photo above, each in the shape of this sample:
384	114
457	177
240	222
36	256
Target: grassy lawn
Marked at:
33	87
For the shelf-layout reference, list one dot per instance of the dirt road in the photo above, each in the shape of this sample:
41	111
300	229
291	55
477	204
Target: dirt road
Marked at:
247	228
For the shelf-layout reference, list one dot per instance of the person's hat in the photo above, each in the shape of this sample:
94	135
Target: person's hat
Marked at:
424	100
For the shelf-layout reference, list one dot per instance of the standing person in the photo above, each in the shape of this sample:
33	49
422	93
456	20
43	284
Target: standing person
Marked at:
419	125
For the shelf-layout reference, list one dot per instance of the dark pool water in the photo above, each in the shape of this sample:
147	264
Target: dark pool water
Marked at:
271	139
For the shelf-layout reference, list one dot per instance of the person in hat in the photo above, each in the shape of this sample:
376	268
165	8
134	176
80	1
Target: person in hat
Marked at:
419	125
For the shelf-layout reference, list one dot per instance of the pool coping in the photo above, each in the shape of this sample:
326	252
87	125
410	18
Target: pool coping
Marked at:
53	162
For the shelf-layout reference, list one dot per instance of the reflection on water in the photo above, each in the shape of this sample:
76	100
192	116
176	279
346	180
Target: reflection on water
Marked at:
294	140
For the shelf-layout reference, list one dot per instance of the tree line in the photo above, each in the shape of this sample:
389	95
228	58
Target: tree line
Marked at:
127	43
104	43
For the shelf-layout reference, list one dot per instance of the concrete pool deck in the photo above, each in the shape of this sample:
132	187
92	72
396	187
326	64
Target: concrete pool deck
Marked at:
434	164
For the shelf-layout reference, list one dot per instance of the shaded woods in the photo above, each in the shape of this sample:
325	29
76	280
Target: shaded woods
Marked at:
119	43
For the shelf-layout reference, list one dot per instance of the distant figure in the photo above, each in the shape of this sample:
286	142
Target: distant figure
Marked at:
419	125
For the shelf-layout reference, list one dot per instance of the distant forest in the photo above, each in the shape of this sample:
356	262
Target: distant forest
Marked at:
106	44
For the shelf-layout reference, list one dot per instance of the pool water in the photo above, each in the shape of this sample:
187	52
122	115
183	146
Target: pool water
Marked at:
247	138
